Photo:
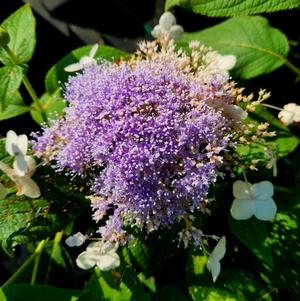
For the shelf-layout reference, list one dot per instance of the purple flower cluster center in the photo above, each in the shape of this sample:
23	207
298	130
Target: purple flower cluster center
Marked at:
148	132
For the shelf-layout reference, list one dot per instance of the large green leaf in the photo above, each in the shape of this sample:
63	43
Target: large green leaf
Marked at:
21	29
57	75
16	214
123	285
221	8
10	81
259	48
254	235
21	292
15	107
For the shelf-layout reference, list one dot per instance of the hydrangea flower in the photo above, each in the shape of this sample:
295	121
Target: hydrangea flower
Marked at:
25	185
17	146
167	26
213	262
150	134
101	254
289	114
76	240
254	200
84	62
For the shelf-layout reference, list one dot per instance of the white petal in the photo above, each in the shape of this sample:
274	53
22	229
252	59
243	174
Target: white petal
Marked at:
93	50
242	209
22	144
262	190
167	20
214	267
28	187
297	114
76	240
157	31
3	192
20	165
242	190
265	209
219	250
108	261
176	32
73	67
24	165
235	112
86	260
86	61
11	140
286	116
226	62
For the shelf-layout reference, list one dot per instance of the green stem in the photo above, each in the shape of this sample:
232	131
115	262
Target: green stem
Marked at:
27	85
292	67
23	267
56	242
37	258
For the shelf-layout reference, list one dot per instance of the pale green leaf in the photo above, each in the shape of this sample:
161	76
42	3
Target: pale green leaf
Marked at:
229	8
15	107
10	81
21	29
259	48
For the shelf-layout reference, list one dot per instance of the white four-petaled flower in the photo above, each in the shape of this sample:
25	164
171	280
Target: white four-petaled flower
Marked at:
289	114
84	62
254	200
24	166
213	262
17	146
76	240
167	26
101	254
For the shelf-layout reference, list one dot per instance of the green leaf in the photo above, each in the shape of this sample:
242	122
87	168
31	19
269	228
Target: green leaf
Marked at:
259	48
21	292
57	74
21	29
229	8
2	295
173	292
122	285
211	294
15	108
286	144
10	81
16	214
53	105
254	235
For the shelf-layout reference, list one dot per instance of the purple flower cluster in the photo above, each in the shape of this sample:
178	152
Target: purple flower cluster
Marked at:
146	135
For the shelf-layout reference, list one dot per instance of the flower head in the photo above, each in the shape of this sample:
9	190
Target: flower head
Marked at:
289	114
25	184
252	200
146	134
84	62
167	27
101	254
213	262
76	240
